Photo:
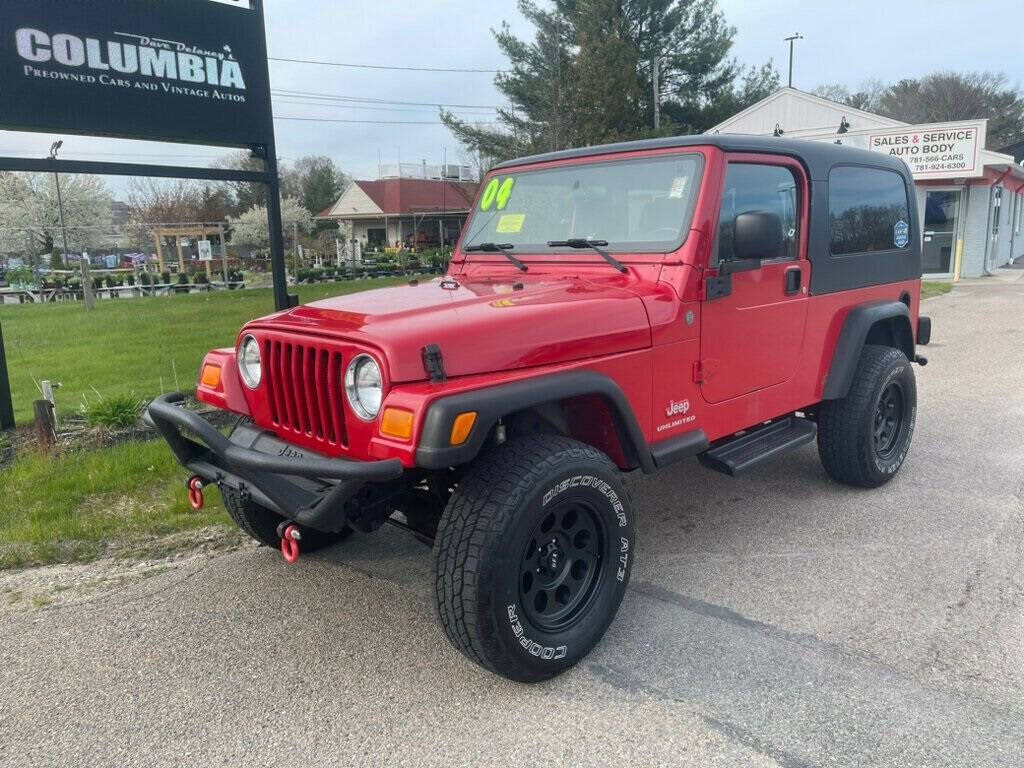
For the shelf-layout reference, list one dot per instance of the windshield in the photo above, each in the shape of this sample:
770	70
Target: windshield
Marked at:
638	206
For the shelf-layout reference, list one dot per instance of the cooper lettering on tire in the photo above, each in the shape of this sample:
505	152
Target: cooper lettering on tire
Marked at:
533	556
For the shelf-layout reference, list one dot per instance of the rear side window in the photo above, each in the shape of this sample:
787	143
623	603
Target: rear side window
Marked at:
868	210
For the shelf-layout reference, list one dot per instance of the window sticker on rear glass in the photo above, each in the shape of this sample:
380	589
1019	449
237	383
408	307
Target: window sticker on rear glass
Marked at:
511	223
900	234
678	187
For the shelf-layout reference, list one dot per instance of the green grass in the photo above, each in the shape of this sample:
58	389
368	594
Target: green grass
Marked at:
90	503
929	289
141	346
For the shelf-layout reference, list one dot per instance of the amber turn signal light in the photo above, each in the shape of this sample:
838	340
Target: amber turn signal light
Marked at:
462	426
210	377
396	422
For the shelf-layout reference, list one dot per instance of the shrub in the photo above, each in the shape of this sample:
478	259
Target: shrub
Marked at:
182	278
200	278
112	412
129	279
97	283
146	279
165	277
112	282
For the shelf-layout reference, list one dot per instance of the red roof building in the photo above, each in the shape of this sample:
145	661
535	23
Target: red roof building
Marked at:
410	212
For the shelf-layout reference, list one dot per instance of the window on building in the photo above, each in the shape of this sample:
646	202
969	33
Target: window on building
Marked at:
868	210
753	188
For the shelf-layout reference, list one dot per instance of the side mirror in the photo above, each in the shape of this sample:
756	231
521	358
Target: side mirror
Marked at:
757	237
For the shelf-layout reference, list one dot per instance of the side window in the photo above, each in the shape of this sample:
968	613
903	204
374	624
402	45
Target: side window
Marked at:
867	210
751	188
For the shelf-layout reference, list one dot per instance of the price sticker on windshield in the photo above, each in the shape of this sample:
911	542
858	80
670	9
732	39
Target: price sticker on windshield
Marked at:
511	223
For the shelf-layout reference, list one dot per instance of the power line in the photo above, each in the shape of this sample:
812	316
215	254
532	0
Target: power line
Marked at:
361	99
363	122
386	67
331	105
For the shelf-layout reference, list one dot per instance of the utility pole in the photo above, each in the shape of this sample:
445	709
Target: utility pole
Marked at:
223	253
657	94
87	296
791	39
444	187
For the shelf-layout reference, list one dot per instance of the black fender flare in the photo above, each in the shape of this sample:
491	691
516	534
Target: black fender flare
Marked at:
492	403
854	335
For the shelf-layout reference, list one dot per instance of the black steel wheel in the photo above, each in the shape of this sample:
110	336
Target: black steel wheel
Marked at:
888	423
532	556
561	565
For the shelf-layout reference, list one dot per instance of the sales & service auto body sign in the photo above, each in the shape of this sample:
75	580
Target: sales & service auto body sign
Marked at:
940	150
174	70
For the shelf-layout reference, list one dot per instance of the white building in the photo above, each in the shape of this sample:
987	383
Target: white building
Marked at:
970	199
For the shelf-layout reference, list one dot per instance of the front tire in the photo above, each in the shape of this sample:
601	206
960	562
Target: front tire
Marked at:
533	556
863	439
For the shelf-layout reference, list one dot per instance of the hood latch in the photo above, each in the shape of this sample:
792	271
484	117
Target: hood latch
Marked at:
433	362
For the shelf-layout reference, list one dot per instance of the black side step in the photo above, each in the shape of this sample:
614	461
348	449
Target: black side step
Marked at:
758	445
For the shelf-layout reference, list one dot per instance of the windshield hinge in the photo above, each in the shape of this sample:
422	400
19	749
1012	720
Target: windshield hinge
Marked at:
433	362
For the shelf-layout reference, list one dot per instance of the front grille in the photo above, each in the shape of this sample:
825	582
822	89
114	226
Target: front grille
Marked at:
304	385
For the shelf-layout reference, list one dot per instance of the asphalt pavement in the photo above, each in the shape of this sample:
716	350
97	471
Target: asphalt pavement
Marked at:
773	620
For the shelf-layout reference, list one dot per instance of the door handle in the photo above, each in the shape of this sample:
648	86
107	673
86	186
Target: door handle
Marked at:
793	279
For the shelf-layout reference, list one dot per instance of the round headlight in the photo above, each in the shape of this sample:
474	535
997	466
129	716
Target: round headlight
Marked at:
364	387
249	363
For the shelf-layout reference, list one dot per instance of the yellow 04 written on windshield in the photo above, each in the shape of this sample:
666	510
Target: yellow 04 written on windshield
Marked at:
498	191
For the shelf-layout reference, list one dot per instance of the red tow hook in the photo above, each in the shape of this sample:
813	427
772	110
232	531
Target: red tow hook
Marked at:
290	544
195	492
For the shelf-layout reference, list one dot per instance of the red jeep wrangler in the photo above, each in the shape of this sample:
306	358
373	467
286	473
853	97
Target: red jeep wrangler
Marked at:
607	309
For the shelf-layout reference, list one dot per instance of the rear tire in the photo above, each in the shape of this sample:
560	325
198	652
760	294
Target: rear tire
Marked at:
863	439
261	523
533	556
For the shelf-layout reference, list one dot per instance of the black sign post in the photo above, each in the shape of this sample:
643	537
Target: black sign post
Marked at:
188	71
6	406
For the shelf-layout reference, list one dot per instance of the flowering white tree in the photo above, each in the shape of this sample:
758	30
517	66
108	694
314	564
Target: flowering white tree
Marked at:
252	228
30	214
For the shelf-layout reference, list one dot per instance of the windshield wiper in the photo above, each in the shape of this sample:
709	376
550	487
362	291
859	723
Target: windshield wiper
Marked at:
582	242
502	248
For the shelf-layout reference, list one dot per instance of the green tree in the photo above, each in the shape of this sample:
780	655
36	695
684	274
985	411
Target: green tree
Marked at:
318	182
588	75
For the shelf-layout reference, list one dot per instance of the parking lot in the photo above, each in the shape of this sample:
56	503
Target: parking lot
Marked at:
775	619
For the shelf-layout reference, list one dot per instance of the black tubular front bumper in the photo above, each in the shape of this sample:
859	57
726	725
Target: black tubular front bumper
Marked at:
311	490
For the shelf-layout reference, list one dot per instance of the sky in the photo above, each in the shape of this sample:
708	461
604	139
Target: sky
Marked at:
843	42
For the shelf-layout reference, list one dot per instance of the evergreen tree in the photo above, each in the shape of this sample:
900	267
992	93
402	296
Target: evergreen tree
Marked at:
588	75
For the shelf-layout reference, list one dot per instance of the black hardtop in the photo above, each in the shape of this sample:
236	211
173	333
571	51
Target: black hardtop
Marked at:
817	156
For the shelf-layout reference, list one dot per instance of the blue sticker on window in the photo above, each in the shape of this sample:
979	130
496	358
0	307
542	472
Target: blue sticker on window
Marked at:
901	234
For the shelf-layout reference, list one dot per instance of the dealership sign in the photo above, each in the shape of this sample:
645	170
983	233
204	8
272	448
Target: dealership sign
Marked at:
940	150
187	70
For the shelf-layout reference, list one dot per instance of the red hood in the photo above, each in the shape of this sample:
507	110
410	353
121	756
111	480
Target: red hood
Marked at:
484	325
